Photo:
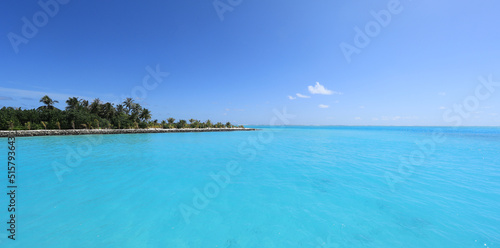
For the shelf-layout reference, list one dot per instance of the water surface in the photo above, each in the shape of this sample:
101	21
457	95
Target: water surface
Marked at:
285	187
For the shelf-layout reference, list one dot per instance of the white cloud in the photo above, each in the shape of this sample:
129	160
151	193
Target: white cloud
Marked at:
292	98
61	97
323	106
357	118
361	107
320	89
36	94
302	96
442	93
442	107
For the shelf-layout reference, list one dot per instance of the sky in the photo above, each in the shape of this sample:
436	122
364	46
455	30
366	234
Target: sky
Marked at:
387	62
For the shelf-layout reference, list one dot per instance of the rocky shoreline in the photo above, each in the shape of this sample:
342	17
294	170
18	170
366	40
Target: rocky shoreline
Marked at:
54	132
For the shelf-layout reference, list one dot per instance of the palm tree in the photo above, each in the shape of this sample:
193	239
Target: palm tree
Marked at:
84	103
145	114
48	101
194	123
73	103
95	106
228	124
171	120
136	111
129	104
120	109
181	124
108	110
208	123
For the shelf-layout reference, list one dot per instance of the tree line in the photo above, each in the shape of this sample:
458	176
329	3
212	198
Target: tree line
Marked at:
82	114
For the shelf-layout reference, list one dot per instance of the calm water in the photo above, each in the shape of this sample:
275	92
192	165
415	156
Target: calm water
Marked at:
282	187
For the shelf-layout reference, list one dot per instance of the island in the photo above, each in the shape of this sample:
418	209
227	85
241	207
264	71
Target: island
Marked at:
96	117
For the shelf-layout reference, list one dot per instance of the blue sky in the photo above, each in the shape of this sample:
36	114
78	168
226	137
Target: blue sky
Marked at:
412	70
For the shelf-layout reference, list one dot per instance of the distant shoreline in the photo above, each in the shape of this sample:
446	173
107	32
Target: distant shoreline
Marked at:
59	132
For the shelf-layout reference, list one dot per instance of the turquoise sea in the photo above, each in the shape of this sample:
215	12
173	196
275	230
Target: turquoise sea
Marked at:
278	187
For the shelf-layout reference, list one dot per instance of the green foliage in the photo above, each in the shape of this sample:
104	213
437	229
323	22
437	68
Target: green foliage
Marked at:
208	123
181	124
195	123
49	103
79	114
143	125
145	115
73	103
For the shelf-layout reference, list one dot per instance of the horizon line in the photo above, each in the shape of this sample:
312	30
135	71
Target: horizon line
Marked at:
310	125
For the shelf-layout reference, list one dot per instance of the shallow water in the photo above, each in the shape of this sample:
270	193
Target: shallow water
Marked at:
278	187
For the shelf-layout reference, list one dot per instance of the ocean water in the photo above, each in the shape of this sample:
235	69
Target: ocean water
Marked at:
277	187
